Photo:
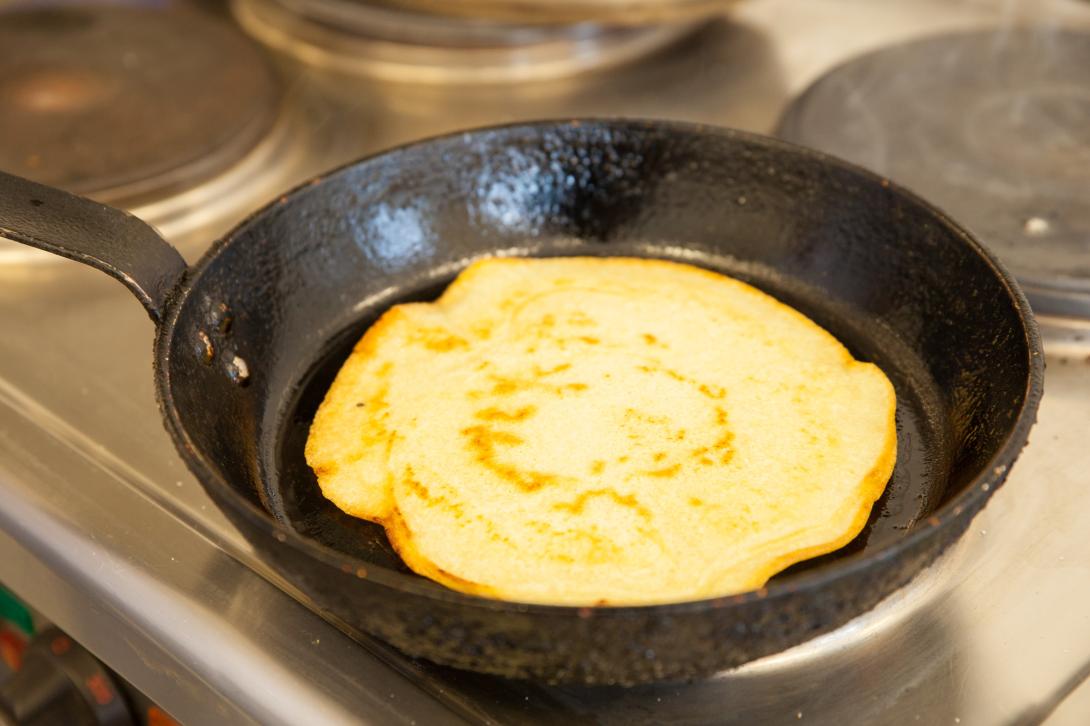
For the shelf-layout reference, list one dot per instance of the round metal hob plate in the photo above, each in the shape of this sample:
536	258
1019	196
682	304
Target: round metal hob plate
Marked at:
993	127
128	103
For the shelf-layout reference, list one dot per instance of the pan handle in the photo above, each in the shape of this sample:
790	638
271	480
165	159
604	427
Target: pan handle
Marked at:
121	245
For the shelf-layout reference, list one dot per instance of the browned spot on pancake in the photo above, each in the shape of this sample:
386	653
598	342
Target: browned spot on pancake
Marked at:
680	435
676	376
720	416
712	391
323	469
659	456
495	414
577	505
438	339
597	466
422	492
482	442
643	416
665	371
724	445
503	386
650	339
484	364
658	369
548	321
664	473
444	345
543	372
622	459
493	533
506	438
695	501
706	389
588	339
509	385
415	486
482	436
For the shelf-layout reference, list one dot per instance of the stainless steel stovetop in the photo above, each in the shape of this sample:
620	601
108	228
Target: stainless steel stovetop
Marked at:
104	530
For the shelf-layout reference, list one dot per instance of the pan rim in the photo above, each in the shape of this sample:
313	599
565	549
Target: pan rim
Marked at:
971	499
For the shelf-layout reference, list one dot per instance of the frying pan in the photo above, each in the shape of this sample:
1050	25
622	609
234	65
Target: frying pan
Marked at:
249	338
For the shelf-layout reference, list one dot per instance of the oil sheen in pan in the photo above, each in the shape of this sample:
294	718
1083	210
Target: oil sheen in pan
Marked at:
915	489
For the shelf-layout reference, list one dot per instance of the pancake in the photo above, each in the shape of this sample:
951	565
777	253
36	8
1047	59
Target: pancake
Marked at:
586	431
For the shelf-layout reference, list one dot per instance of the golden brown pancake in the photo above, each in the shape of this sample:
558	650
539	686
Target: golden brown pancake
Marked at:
589	430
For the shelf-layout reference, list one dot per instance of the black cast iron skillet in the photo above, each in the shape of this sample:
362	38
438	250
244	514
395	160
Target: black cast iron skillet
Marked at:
249	338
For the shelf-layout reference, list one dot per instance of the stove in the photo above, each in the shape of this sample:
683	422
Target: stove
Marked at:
109	101
104	531
1005	150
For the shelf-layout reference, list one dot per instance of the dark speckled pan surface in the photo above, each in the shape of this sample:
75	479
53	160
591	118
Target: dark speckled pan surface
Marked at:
254	333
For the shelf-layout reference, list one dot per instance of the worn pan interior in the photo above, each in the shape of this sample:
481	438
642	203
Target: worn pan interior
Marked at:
283	299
